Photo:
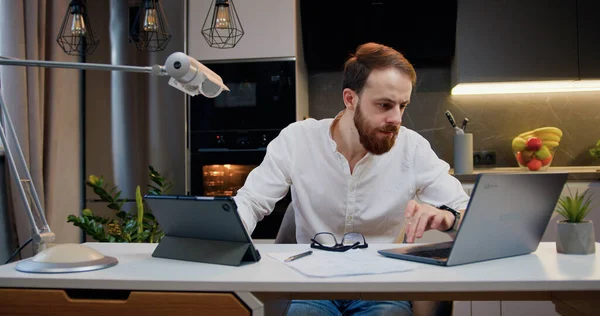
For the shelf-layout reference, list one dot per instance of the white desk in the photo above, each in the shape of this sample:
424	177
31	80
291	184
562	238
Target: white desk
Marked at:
543	275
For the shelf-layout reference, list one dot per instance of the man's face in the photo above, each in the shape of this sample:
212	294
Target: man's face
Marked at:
379	109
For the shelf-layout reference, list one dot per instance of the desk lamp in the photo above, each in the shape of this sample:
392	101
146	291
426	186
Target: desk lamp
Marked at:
187	74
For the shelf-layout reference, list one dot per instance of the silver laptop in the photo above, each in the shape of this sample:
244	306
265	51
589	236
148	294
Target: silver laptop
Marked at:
507	215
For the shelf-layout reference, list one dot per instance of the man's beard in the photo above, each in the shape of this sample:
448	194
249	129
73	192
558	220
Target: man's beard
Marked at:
369	138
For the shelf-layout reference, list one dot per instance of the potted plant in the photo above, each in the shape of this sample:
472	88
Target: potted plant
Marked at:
575	234
595	152
138	226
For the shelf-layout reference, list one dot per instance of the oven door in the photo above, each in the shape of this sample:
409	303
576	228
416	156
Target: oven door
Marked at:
262	96
221	171
209	170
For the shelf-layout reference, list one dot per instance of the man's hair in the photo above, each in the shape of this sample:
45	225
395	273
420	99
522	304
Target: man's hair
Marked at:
371	56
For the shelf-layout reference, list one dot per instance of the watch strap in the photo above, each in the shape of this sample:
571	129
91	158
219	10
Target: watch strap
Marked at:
456	214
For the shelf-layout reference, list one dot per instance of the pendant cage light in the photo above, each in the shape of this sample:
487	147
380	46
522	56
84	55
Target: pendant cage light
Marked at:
150	31
222	27
76	36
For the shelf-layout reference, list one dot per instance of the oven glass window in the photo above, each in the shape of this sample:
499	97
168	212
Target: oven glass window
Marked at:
259	91
240	95
224	179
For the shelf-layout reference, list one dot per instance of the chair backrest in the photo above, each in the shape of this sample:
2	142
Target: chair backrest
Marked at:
287	230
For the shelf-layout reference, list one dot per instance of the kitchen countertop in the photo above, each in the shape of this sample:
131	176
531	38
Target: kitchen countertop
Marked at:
582	173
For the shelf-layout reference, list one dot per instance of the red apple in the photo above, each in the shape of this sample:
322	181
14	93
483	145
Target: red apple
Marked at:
534	165
520	159
547	161
534	143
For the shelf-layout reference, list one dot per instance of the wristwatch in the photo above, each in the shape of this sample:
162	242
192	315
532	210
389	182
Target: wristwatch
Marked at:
454	227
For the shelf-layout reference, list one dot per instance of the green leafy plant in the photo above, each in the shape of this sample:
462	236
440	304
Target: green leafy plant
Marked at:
125	227
595	152
574	208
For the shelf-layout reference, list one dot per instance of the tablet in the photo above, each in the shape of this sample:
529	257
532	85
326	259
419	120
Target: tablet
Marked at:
201	228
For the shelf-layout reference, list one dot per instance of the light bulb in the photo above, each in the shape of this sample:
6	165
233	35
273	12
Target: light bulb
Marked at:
222	19
150	20
78	25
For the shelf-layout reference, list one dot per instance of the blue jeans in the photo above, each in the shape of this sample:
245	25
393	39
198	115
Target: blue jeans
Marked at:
349	307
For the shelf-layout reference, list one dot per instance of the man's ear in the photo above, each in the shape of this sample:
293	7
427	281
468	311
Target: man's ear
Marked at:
350	98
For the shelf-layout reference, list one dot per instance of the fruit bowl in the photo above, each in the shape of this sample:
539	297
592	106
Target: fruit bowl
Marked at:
534	150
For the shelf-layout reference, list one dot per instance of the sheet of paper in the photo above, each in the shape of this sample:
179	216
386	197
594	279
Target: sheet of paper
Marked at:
334	264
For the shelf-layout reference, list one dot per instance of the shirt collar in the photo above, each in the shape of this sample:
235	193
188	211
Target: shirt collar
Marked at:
330	130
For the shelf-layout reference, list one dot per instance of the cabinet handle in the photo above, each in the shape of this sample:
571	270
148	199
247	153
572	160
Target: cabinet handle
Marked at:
93	294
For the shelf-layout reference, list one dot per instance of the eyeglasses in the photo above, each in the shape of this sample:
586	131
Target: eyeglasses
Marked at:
327	241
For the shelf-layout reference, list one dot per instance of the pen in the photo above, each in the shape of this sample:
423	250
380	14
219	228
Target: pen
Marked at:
464	124
298	256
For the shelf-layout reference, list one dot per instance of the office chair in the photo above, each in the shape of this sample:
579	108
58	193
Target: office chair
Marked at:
287	235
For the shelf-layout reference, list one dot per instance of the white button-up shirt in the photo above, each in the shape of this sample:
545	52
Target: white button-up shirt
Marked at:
328	198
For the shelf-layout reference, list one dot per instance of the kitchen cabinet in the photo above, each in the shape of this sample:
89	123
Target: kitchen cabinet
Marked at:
516	40
269	30
331	36
589	38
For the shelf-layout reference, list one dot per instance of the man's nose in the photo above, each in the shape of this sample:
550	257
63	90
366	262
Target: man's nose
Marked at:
395	116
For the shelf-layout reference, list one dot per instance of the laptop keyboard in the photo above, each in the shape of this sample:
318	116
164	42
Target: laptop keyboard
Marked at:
433	253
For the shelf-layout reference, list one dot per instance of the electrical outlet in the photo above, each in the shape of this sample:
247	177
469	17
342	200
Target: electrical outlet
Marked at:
484	158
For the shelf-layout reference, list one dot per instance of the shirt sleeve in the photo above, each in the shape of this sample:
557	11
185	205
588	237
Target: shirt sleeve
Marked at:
267	183
434	184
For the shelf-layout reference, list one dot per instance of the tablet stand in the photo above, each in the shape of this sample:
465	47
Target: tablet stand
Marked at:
203	250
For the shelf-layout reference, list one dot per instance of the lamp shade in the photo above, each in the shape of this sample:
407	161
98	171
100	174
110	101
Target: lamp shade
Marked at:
76	35
222	27
150	31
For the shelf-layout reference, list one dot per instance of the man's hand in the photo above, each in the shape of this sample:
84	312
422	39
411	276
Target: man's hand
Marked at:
420	218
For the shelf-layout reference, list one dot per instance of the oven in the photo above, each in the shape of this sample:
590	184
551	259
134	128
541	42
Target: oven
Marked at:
262	96
229	134
217	169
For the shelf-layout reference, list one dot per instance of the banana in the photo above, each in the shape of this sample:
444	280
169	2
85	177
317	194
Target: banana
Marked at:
550	129
547	136
550	144
526	135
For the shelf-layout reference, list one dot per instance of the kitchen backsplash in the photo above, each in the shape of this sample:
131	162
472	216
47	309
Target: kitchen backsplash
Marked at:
493	119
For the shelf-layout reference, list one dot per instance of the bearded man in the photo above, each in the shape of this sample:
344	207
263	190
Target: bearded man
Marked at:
361	172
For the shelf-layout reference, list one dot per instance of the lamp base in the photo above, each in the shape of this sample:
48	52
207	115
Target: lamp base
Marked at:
66	258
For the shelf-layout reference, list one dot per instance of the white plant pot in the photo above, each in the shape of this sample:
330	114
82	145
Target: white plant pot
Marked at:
575	238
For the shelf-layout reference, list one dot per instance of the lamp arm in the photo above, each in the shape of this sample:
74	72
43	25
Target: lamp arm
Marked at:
187	74
42	233
155	70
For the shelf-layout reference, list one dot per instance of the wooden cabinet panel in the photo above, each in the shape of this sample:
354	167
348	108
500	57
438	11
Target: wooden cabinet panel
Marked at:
103	303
